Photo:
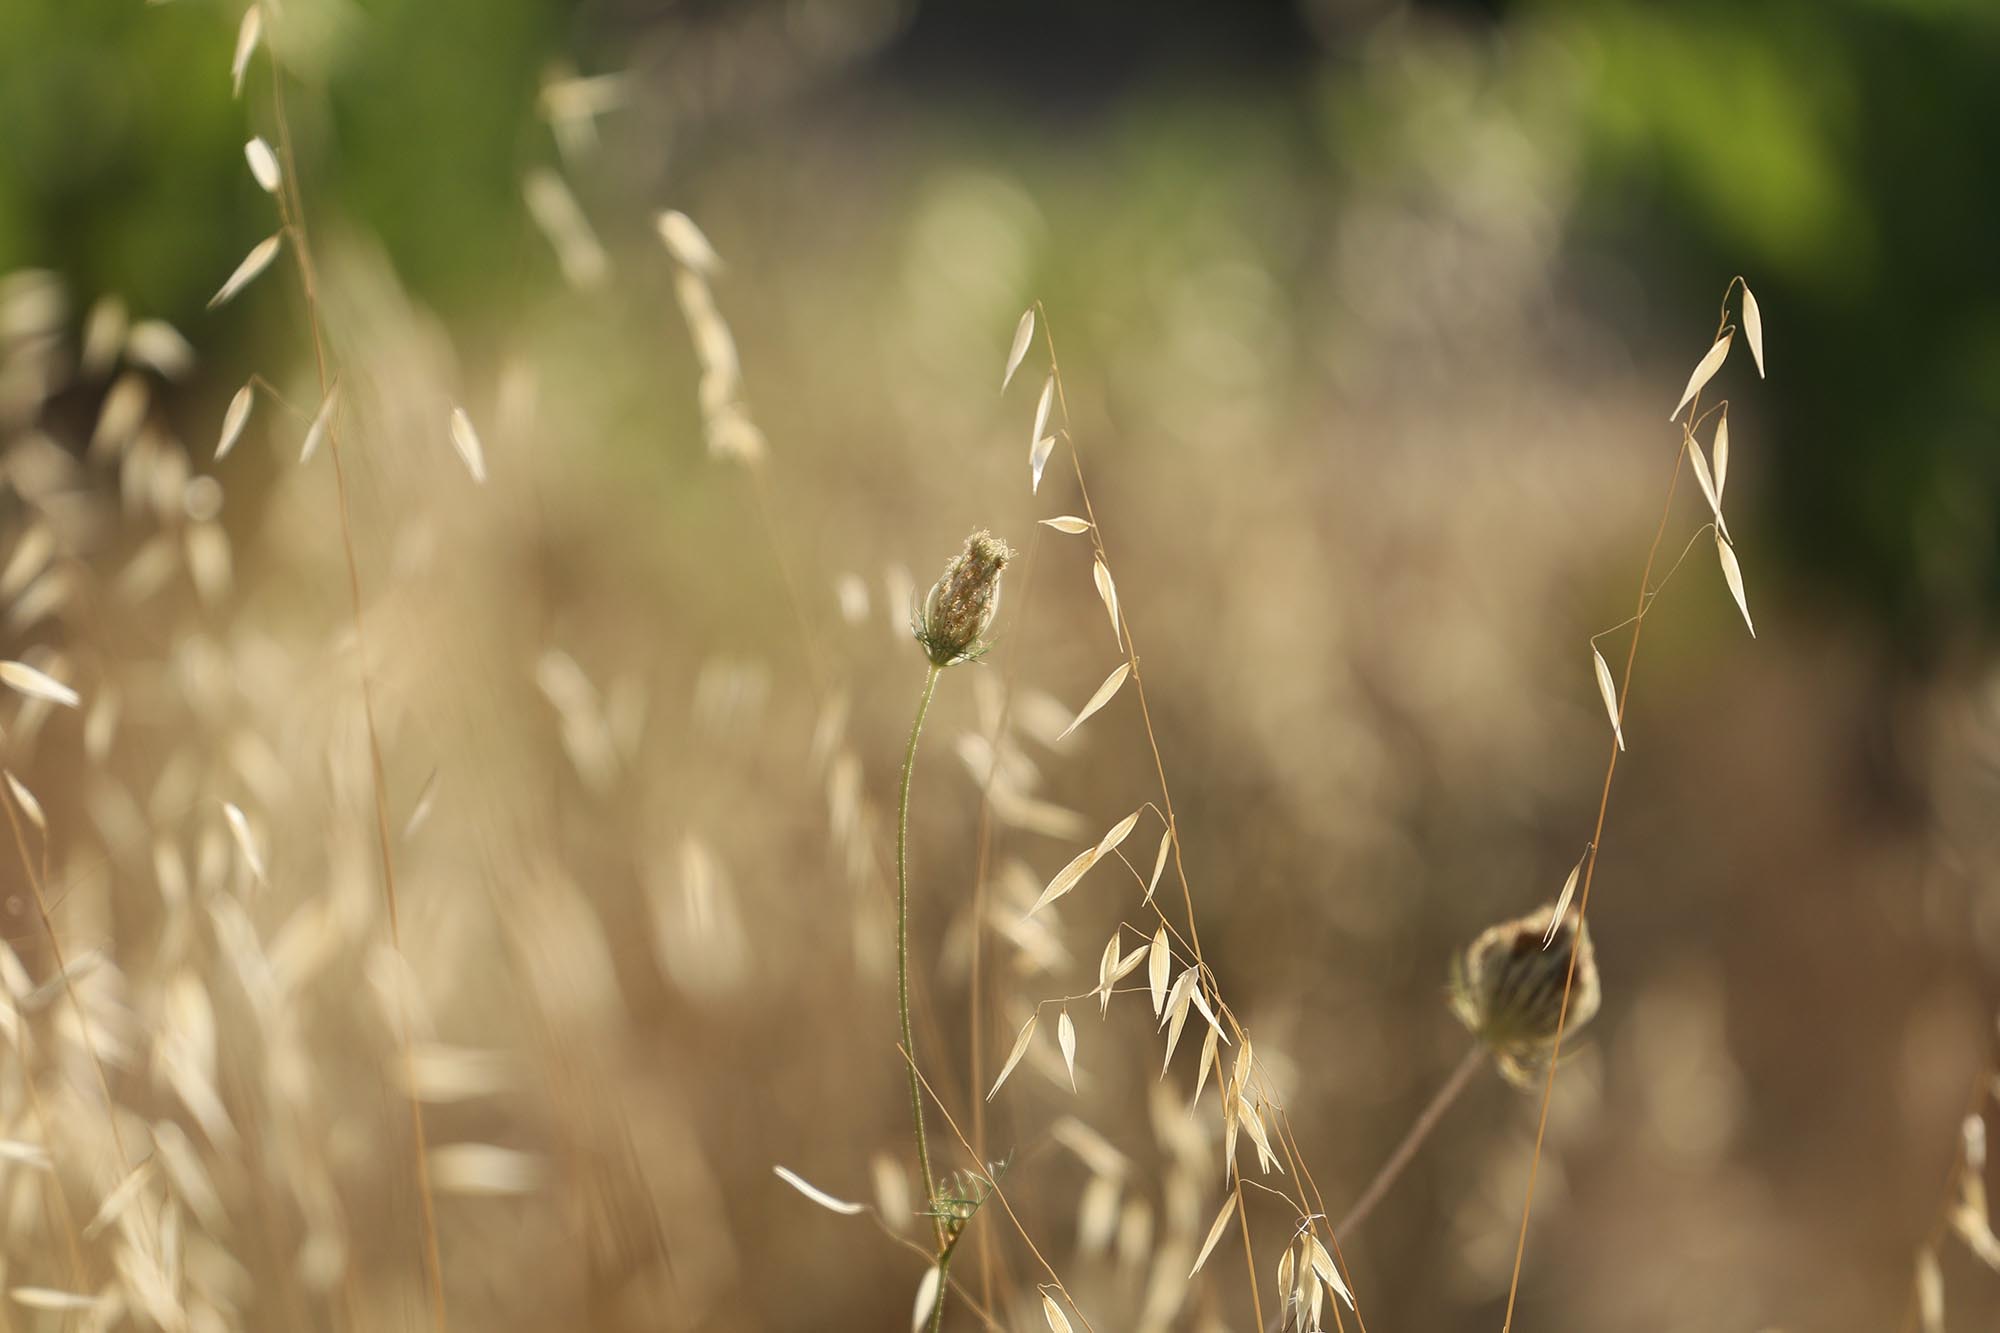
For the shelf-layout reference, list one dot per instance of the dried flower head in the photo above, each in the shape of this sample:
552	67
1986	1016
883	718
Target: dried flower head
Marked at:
1507	987
952	623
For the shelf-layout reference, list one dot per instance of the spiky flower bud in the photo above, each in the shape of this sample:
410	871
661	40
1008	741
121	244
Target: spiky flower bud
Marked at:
1507	987
952	623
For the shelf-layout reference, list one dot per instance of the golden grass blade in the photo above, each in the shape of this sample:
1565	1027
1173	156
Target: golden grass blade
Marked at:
1024	333
24	679
317	431
24	798
1610	693
466	440
1253	1124
1753	328
1014	1056
47	1298
103	332
1159	961
1159	863
927	1296
1038	458
1067	523
1130	963
1118	833
1179	1000
1706	482
1207	1014
1058	1321
116	1202
29	558
443	1075
817	1195
25	1154
122	413
1208	1047
234	419
259	259
263	165
189	1177
1105	967
1326	1270
579	254
248	33
1732	574
156	343
239	828
421	811
1704	371
1107	592
1229	1131
484	1169
1101	698
687	243
1042	406
1066	1039
1287	1287
1930	1291
1562	903
1066	879
1721	458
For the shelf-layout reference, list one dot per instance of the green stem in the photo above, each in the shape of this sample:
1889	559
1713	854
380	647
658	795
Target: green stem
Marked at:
944	1285
903	951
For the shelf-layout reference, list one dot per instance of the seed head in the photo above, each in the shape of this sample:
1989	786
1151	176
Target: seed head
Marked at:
1508	989
952	623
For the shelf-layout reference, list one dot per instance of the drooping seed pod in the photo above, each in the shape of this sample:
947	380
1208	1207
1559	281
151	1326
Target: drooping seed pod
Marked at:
1507	988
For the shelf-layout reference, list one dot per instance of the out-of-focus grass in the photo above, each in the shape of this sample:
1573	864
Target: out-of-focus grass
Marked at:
1368	395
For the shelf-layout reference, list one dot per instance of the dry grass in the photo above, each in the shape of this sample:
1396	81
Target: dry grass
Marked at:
439	896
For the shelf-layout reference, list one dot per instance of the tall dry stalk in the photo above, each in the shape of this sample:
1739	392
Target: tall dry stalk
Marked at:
1688	449
292	213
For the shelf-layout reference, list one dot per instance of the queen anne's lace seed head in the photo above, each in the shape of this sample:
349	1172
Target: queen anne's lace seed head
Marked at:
1507	987
952	623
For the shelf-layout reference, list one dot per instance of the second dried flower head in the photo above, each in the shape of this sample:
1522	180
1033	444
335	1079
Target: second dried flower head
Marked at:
951	625
1507	987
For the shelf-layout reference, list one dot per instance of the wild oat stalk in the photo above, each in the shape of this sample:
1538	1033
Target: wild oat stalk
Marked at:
1712	482
1247	1096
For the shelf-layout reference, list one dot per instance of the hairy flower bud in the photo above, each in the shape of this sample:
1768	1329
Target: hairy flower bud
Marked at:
952	623
1508	989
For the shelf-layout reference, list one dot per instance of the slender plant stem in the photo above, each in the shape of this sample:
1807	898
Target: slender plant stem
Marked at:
944	1282
1638	622
1426	1121
292	212
903	945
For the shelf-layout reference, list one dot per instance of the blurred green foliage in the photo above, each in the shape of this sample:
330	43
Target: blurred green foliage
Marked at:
1847	158
1843	156
122	167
